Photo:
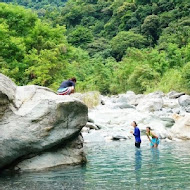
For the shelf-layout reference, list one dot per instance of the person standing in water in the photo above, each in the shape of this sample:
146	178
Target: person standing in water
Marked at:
154	140
137	134
67	87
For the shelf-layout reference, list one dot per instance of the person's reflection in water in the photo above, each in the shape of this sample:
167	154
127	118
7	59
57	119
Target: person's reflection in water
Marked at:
138	159
155	156
138	165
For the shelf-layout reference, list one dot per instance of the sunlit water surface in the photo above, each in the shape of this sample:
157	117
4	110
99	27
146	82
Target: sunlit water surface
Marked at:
114	165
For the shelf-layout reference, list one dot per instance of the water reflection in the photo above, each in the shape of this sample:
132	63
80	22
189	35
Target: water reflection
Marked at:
155	153
138	159
138	165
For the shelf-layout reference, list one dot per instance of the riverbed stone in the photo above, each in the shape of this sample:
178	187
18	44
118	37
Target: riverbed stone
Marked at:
181	129
168	122
123	106
122	99
174	94
184	101
118	137
91	126
150	103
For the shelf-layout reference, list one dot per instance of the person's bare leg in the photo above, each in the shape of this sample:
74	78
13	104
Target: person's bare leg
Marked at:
72	89
155	145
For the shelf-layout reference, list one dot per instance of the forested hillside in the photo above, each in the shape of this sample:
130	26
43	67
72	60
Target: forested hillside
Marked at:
37	4
109	45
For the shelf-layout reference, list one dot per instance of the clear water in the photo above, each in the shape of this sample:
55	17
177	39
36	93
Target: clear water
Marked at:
114	165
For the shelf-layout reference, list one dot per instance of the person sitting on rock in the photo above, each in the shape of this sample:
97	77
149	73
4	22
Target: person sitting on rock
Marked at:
67	87
154	140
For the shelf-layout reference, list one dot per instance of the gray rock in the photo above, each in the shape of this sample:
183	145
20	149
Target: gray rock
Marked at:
103	102
91	126
187	109
7	87
99	125
174	94
123	106
118	137
170	103
158	94
184	101
176	110
150	103
122	99
7	94
181	129
70	153
90	120
36	120
85	130
168	122
136	99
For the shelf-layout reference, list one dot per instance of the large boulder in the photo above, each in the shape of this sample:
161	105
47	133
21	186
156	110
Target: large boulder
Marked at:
135	100
122	99
150	103
130	97
170	103
184	101
7	93
181	129
35	120
168	122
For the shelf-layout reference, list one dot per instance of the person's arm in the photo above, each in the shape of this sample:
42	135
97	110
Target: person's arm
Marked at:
148	136
135	133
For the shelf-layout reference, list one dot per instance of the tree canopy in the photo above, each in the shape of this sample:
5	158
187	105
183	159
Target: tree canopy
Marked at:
110	46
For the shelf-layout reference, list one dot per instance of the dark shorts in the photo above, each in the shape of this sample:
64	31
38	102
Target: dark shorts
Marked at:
137	144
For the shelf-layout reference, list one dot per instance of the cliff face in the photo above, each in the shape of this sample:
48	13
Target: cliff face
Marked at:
35	122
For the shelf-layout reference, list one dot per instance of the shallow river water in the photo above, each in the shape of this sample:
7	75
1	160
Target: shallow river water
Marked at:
112	166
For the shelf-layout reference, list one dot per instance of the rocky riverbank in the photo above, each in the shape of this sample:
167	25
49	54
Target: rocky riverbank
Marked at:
39	129
167	114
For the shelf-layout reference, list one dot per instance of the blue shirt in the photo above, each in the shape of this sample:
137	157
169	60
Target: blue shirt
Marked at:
67	83
137	135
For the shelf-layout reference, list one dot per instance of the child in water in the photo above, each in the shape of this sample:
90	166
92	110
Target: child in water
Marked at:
154	142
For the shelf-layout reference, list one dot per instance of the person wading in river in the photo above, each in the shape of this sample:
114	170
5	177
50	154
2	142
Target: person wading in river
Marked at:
137	134
67	87
154	140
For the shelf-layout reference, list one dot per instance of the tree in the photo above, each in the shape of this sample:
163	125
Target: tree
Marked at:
80	36
99	48
186	76
150	27
143	78
124	40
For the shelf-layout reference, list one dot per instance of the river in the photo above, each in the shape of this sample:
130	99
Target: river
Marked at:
112	166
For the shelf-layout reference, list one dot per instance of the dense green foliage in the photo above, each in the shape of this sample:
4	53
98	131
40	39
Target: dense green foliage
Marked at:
38	4
109	45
